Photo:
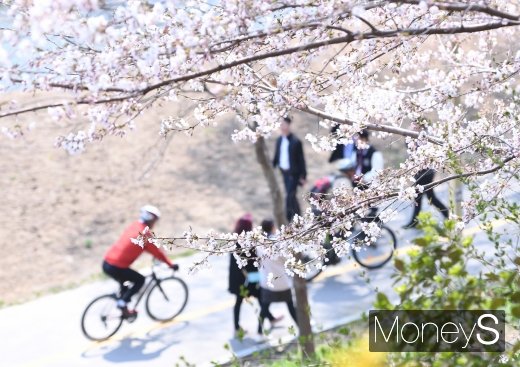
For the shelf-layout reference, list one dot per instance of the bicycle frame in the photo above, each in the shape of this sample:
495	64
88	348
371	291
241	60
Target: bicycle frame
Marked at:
150	281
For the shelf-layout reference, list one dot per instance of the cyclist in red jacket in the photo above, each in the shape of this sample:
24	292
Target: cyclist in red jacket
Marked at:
124	252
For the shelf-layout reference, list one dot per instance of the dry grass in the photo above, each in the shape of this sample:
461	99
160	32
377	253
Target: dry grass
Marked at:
61	211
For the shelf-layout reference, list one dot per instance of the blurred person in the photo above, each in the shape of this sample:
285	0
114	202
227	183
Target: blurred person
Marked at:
347	168
369	161
275	284
243	282
342	150
425	177
122	254
290	159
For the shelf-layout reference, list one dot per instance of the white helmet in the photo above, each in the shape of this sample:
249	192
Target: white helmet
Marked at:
149	209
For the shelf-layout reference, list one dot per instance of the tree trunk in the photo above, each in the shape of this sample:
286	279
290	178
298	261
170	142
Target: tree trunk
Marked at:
300	286
303	312
262	156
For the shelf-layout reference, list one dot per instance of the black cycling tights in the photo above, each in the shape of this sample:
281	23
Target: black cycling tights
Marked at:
122	275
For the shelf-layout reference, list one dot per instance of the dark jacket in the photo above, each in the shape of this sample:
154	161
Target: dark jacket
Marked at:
296	157
364	157
237	278
338	152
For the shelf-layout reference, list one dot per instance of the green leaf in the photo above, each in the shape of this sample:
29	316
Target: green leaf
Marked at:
344	330
456	270
462	361
427	260
401	289
414	253
507	276
382	302
399	264
498	302
421	241
455	254
449	225
492	277
515	311
467	241
515	297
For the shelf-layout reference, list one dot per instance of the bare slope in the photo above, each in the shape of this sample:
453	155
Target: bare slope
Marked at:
60	212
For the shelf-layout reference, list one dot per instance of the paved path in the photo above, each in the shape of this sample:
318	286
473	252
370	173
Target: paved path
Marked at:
46	332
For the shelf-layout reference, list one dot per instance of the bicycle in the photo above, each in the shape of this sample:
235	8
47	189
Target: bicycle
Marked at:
374	256
166	298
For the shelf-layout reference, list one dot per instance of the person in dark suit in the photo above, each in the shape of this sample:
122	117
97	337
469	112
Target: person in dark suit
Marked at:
342	150
289	158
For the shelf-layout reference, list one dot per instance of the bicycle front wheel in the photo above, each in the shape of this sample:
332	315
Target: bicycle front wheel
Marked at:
378	253
102	318
167	299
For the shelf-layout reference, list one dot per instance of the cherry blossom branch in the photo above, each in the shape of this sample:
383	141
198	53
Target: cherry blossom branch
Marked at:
511	20
73	86
461	7
374	127
64	104
470	174
320	222
441	6
384	197
333	41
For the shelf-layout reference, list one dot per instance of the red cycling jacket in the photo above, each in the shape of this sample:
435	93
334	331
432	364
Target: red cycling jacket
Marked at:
124	252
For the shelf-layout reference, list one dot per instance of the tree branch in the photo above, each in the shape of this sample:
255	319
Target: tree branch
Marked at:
461	7
374	127
469	174
63	104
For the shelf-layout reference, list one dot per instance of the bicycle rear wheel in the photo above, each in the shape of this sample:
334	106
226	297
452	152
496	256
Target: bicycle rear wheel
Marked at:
379	253
167	299
313	264
101	319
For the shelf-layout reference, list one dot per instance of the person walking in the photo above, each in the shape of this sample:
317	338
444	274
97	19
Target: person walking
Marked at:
425	177
244	282
275	284
290	159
